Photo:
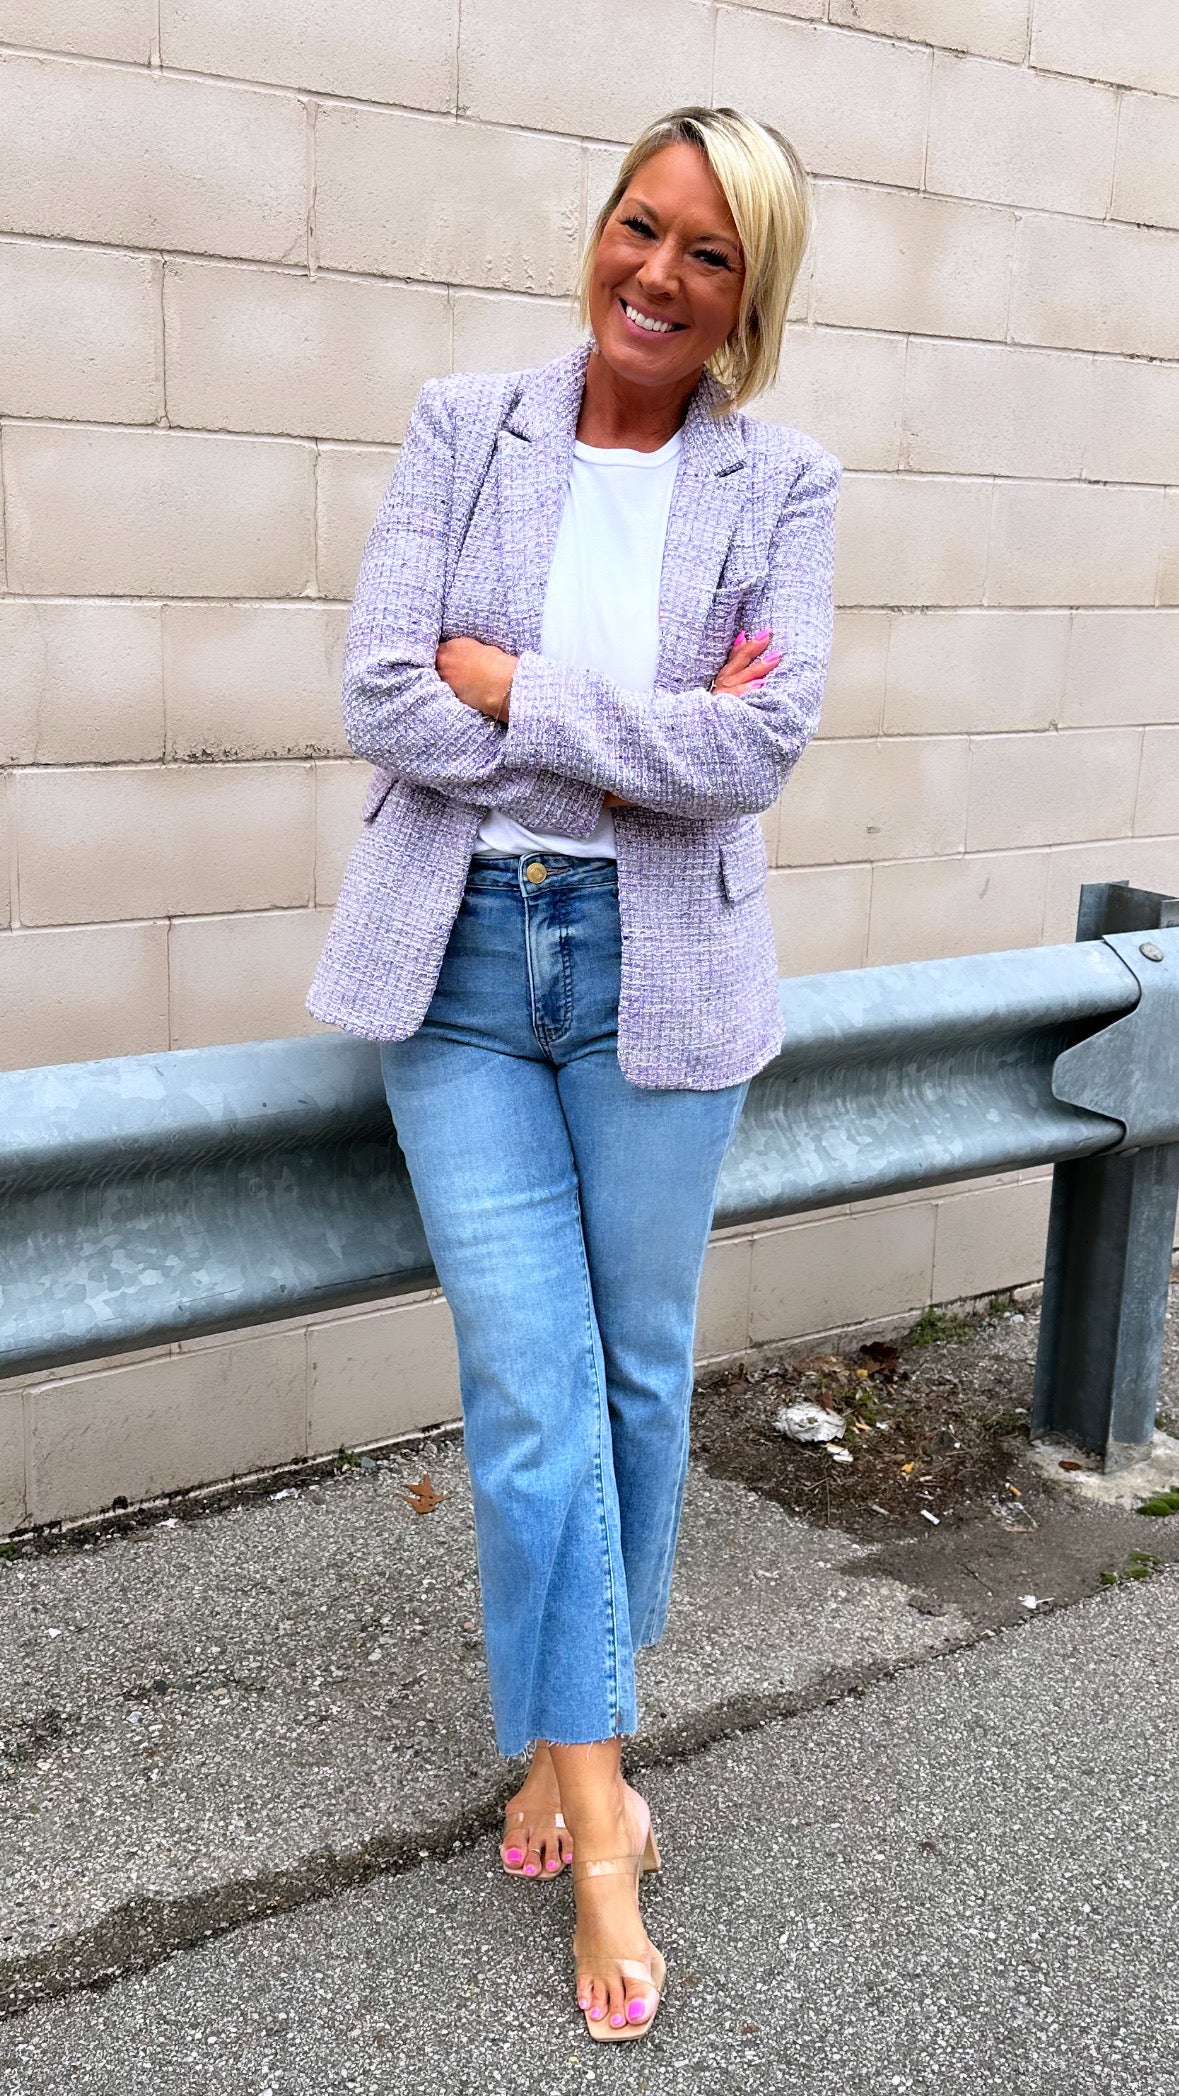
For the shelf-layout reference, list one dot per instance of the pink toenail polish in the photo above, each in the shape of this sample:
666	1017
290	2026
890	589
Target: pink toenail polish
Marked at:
616	2020
530	1870
636	2010
515	1855
595	2012
553	1863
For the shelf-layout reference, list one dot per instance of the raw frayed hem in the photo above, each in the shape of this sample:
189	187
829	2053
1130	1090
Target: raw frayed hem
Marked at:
619	1732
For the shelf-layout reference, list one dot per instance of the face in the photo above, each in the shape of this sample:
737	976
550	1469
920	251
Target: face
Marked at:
669	254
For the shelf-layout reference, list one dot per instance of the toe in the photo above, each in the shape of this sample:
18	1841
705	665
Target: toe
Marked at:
617	2012
639	2002
597	2001
532	1859
513	1848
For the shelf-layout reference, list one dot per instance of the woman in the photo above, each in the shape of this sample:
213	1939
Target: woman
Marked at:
555	922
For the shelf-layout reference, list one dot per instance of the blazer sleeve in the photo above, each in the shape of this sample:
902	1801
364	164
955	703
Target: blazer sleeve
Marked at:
699	753
398	712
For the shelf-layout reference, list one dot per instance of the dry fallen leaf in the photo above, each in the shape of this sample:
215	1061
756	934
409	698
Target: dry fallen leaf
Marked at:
422	1497
823	1364
906	1467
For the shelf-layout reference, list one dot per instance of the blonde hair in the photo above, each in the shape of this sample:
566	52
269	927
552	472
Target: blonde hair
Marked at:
767	189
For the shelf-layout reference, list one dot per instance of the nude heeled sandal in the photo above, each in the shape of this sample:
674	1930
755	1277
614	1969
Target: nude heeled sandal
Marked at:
514	1870
650	1975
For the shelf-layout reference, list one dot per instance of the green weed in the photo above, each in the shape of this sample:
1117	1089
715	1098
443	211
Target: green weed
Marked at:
934	1324
1139	1565
1161	1503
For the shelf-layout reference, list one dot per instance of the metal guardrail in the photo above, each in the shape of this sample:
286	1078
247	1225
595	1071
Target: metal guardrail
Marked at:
152	1198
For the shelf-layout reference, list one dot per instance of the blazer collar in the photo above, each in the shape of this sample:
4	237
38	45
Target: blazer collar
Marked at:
548	403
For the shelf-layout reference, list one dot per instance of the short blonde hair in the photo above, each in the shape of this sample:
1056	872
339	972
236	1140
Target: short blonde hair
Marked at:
767	189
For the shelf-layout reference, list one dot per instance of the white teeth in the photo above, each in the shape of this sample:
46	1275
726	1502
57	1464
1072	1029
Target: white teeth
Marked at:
653	327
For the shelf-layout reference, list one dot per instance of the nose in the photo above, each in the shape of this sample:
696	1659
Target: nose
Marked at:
659	273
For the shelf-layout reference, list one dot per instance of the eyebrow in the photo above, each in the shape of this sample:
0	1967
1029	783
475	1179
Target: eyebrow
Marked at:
729	238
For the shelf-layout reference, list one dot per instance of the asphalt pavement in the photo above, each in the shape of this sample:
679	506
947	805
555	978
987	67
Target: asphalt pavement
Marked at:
920	1825
960	1879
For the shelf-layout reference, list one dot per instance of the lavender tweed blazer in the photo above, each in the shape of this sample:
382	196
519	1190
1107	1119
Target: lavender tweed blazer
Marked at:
462	544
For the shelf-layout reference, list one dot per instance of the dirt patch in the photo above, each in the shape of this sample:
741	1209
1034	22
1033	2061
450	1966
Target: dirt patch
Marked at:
939	1481
928	1423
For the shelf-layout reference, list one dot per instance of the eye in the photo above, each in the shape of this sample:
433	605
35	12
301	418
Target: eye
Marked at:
640	225
714	255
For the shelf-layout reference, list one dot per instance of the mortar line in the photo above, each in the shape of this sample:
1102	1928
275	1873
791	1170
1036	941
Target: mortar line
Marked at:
458	54
337	272
312	177
859	31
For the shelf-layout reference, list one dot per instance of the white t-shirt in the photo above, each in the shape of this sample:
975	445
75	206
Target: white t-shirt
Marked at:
601	605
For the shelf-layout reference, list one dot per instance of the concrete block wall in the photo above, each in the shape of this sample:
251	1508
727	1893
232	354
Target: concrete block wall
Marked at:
232	243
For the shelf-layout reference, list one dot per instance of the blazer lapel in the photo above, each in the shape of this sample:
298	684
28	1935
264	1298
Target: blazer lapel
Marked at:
536	457
535	449
706	500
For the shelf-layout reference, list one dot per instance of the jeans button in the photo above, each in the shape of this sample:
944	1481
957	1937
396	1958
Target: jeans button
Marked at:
536	872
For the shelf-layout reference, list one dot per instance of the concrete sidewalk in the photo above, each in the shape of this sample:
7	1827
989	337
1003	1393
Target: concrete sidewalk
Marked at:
961	1879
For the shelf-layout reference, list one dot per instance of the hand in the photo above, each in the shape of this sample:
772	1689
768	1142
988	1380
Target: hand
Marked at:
478	675
748	665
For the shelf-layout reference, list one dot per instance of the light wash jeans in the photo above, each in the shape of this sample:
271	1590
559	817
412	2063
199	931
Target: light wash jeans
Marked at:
567	1212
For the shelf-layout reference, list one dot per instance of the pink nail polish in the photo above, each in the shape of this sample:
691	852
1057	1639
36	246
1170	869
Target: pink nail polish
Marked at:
554	1863
636	2010
740	640
595	2012
763	635
515	1855
530	1870
616	2020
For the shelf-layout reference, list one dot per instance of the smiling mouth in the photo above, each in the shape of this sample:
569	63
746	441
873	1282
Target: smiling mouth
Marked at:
646	323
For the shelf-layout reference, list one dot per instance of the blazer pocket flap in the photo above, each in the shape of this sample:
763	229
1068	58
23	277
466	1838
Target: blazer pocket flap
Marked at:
379	788
743	862
732	592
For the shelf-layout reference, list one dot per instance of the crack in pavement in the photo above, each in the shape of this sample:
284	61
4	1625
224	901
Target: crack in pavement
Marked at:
143	1932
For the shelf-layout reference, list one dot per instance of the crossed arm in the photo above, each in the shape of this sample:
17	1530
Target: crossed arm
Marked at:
547	743
481	677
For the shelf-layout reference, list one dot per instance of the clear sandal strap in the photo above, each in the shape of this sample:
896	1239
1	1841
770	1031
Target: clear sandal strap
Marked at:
605	1864
639	1970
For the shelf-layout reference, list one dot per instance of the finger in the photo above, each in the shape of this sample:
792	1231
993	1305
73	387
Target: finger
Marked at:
759	668
750	645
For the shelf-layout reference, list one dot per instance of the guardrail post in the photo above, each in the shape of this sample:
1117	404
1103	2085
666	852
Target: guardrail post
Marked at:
1111	1230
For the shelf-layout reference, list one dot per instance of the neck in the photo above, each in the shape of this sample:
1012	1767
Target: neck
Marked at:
616	414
